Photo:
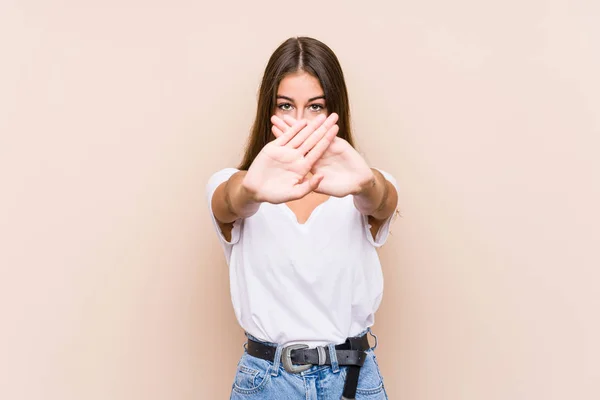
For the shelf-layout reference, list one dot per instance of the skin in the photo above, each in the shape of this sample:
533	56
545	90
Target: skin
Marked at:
305	165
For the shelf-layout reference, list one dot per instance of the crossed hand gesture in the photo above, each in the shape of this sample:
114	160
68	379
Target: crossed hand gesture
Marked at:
282	171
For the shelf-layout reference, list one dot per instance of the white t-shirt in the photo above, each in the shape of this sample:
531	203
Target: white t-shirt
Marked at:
315	283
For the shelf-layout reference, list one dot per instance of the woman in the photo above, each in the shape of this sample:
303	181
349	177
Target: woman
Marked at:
300	220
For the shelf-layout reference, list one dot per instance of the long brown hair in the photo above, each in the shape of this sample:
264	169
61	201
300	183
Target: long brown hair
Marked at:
298	54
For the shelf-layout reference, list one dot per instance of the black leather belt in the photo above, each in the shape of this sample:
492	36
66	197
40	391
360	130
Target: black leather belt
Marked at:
297	358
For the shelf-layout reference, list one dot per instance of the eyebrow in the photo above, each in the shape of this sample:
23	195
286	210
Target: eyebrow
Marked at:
309	100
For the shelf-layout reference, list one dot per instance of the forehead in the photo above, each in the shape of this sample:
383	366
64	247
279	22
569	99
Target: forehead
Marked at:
301	85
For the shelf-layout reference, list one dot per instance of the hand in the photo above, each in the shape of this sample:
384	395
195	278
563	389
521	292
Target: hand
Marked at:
343	170
279	172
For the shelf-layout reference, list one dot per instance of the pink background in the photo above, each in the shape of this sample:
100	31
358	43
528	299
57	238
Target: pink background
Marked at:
113	115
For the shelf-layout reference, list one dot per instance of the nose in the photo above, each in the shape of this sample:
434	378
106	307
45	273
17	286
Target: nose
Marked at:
303	113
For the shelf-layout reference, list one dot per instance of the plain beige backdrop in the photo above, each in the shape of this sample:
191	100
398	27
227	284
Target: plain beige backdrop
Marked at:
113	115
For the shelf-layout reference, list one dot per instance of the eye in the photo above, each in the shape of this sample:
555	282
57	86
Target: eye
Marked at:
285	106
316	107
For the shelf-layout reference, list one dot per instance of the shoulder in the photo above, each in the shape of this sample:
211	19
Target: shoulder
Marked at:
217	179
223	174
220	176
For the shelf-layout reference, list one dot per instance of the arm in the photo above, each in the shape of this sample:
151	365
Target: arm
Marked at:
232	200
378	198
346	172
277	174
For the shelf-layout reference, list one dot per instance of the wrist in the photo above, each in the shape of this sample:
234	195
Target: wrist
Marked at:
367	185
247	191
240	199
373	196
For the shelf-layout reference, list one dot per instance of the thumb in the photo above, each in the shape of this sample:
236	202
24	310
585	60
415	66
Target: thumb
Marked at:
307	186
314	181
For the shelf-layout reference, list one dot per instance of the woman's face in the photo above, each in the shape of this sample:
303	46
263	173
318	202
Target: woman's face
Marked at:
300	96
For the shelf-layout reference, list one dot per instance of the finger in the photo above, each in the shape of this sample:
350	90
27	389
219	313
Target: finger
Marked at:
311	127
280	124
317	151
289	133
276	131
289	120
319	127
315	138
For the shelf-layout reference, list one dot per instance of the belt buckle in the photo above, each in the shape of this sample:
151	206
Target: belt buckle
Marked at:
286	359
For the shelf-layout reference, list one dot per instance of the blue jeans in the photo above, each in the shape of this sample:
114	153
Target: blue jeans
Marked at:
267	380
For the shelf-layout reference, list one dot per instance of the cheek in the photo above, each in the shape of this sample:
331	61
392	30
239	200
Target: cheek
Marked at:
280	113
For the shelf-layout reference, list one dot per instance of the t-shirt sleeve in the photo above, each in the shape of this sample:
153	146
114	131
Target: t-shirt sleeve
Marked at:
213	183
384	229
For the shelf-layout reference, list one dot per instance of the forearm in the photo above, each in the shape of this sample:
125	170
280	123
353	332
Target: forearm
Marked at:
378	198
233	201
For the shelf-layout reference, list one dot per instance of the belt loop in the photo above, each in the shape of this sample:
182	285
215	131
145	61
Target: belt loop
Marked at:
335	368
322	355
277	360
374	336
